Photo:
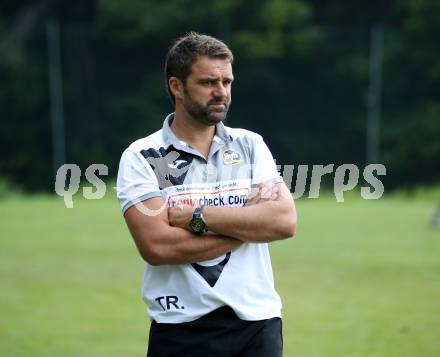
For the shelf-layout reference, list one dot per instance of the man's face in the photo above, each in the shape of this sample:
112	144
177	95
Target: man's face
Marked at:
207	90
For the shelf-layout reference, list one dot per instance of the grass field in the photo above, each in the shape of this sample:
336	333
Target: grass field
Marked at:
361	278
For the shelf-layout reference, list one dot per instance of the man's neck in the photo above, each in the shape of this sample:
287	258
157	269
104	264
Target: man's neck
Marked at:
194	133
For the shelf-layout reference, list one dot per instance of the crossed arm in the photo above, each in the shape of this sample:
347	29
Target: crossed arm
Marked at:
166	238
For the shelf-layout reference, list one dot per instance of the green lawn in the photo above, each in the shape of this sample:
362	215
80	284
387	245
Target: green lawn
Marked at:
362	278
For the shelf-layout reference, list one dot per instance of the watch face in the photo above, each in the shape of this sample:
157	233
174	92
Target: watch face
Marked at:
197	225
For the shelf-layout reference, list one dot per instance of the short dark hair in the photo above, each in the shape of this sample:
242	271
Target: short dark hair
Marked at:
185	51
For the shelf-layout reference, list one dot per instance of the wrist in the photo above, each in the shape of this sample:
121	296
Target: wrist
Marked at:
198	223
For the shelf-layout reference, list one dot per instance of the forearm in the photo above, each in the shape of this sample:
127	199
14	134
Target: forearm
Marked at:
159	243
269	214
263	222
175	245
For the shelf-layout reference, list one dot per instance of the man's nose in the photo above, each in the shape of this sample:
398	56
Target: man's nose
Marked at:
220	90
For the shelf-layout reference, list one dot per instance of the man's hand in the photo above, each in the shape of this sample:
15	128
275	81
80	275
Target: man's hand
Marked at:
262	193
180	216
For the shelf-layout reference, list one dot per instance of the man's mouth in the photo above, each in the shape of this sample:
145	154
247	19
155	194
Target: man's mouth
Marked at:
217	106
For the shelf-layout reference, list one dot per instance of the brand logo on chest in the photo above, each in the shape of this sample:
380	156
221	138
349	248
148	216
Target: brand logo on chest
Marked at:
232	157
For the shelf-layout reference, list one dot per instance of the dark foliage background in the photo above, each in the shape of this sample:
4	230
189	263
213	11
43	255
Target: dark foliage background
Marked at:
302	77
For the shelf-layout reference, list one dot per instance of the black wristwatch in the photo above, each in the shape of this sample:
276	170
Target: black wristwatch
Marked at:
198	224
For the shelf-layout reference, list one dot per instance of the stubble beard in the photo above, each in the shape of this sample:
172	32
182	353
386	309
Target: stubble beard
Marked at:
202	113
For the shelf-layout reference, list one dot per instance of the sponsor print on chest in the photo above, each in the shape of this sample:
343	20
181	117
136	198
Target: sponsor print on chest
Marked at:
231	193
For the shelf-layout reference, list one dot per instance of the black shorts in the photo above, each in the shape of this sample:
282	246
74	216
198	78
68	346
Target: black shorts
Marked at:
219	334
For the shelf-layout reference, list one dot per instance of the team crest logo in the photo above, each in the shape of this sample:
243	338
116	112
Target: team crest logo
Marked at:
231	157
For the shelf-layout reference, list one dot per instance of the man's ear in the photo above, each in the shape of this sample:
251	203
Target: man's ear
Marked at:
176	87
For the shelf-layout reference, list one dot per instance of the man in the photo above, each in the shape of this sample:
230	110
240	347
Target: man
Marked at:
202	201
